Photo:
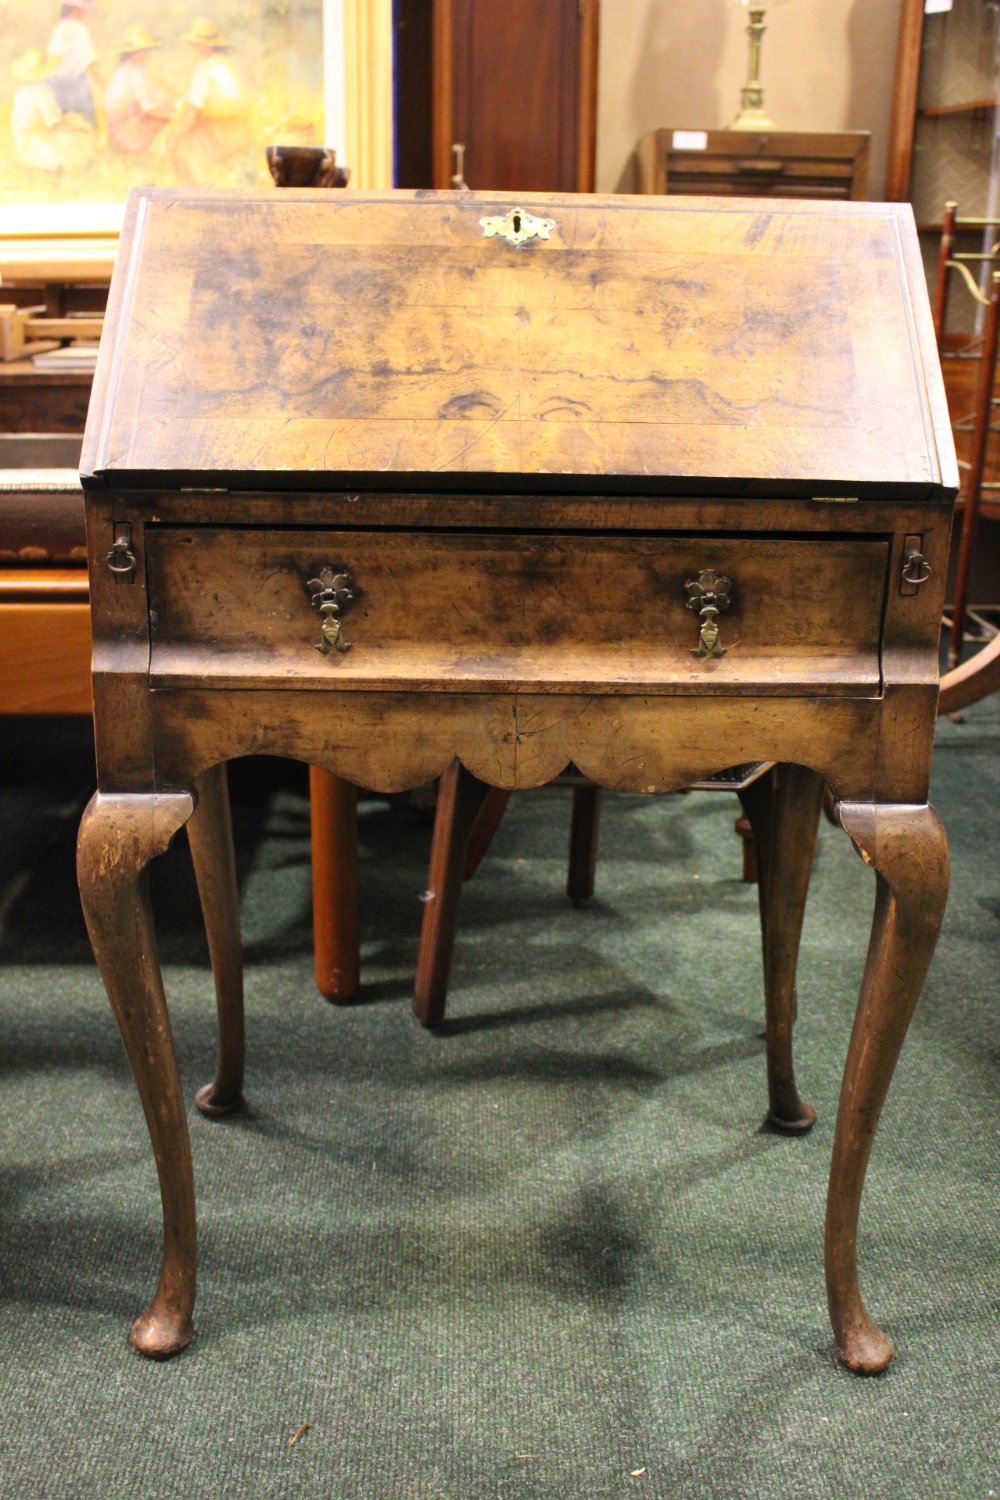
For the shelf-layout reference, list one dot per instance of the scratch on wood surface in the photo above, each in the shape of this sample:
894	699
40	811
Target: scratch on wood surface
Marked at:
476	438
526	731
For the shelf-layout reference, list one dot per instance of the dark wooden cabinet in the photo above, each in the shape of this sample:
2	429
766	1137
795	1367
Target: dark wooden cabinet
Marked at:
515	84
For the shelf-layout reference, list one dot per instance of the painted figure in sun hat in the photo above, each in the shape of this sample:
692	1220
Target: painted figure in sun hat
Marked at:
71	50
209	122
136	108
46	137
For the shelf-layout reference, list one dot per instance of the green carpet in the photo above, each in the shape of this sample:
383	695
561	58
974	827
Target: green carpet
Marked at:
549	1252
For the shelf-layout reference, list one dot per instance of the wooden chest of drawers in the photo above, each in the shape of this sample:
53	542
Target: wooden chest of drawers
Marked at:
382	483
750	163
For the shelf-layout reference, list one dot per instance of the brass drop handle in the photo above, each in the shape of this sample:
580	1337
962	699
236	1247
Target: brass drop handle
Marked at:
708	596
330	593
916	568
121	558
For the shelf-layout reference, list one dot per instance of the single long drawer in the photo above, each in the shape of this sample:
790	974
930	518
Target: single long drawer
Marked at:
536	612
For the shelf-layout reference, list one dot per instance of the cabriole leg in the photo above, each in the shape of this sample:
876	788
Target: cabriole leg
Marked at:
210	834
909	851
119	835
783	809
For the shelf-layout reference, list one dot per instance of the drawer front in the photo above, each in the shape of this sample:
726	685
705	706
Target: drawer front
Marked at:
757	176
495	612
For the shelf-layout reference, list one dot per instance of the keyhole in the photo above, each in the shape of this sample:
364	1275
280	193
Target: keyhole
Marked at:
517	223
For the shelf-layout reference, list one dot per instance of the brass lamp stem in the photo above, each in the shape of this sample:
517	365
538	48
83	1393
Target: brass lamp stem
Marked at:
751	115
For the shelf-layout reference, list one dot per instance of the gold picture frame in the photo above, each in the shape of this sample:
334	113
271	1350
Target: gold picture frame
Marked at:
178	95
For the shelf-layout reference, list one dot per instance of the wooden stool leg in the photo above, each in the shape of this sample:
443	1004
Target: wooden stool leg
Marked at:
119	835
333	812
584	830
460	797
909	850
210	835
783	808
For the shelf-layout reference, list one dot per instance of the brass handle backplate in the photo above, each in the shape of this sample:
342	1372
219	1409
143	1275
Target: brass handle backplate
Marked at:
708	596
330	593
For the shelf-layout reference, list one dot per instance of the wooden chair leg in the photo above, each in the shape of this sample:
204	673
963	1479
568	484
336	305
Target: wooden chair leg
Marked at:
744	831
333	812
119	835
909	851
484	829
783	808
460	796
973	482
210	835
584	831
942	281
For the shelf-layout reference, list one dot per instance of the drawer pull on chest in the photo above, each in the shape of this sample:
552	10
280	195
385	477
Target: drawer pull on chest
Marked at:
708	594
331	591
121	559
916	569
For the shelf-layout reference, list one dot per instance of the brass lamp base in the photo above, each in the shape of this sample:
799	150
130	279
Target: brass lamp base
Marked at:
752	119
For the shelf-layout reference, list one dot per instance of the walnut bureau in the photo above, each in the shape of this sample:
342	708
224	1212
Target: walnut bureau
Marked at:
388	482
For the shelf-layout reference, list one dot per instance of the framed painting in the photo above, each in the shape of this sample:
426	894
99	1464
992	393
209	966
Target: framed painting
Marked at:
98	96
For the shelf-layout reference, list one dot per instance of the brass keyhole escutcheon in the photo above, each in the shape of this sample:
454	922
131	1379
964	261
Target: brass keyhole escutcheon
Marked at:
708	596
516	227
331	592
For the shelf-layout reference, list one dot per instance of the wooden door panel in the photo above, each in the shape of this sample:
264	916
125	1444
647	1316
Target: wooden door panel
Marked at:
516	85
